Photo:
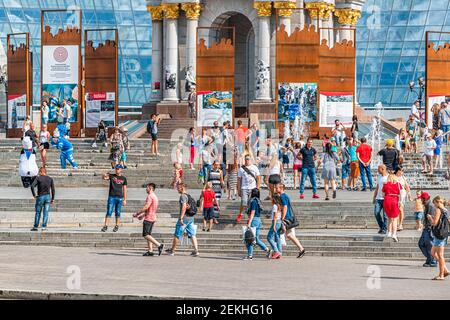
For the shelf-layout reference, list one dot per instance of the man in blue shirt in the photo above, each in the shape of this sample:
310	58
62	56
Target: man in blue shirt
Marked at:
66	150
287	213
308	155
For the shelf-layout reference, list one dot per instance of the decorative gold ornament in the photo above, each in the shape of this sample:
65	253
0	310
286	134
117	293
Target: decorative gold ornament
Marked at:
192	10
285	8
323	9
264	9
348	16
171	10
156	12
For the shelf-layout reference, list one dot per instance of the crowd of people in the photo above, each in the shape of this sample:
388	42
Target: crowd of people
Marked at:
236	162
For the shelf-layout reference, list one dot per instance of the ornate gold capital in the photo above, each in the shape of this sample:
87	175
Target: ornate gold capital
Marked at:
264	9
171	10
156	12
285	8
348	16
192	10
323	9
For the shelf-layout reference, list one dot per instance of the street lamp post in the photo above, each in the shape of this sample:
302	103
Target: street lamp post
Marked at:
420	92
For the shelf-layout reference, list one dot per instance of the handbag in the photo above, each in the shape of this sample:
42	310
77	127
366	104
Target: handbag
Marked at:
291	223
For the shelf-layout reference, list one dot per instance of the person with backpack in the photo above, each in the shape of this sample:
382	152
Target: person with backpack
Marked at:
185	223
254	221
249	178
152	129
425	241
288	220
440	232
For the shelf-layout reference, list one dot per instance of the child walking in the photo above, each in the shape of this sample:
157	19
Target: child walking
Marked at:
418	210
177	175
208	200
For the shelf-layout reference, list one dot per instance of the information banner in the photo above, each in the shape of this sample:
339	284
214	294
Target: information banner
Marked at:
214	106
100	106
17	110
336	105
60	67
297	99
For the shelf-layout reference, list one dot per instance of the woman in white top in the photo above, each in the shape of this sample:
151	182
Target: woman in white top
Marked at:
274	234
404	192
275	172
26	125
338	132
44	143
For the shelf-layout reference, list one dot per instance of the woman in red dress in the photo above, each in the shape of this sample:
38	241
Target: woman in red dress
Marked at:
391	190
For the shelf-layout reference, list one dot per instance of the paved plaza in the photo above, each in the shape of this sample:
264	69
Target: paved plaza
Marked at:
107	273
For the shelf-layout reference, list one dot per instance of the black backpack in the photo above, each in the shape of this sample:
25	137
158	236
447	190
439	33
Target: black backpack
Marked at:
249	237
441	230
191	206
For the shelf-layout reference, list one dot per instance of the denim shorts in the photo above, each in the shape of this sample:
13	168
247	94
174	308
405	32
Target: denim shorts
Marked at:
418	216
435	242
188	227
345	171
208	213
114	204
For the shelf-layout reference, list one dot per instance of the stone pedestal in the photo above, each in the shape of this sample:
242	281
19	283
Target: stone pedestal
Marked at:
176	110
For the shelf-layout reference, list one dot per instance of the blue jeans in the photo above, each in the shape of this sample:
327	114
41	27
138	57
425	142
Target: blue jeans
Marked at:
206	168
114	204
311	173
445	128
274	237
42	202
67	156
256	223
339	139
425	246
381	218
365	171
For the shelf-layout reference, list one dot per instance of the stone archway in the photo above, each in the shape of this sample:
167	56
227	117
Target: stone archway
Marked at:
244	89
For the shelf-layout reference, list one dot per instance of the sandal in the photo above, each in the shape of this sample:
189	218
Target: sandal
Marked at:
438	278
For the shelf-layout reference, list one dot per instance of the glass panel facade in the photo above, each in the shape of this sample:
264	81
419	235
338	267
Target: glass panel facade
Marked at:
391	47
129	16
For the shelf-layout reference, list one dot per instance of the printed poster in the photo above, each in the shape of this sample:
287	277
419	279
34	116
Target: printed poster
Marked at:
60	70
297	99
336	105
17	110
214	106
100	106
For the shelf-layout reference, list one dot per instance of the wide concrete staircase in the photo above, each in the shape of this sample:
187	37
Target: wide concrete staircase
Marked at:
334	228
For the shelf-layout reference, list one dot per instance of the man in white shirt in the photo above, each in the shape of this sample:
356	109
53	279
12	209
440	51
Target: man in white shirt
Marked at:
249	178
428	146
415	111
378	199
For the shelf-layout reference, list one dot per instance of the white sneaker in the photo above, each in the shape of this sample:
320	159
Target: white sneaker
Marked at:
388	235
94	145
395	238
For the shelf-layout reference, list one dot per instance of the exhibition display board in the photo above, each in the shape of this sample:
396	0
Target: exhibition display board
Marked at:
20	83
437	67
215	78
61	67
101	80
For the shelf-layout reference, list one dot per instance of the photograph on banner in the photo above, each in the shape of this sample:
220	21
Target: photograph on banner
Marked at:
61	97
433	99
336	105
100	106
214	106
297	99
17	110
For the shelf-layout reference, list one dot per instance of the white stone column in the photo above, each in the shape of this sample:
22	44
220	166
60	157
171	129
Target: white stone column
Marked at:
324	11
262	90
157	47
171	81
285	10
192	14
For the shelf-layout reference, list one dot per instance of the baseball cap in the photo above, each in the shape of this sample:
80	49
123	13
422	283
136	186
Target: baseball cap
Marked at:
119	166
424	196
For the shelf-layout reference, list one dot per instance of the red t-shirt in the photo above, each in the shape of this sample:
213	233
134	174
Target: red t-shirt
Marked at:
365	152
208	196
241	134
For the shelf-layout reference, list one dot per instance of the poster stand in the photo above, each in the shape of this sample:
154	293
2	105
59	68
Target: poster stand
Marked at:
61	69
100	89
20	84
